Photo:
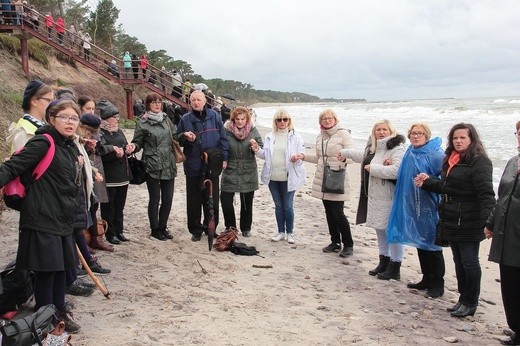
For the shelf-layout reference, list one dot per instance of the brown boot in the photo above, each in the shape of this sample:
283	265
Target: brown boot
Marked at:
99	243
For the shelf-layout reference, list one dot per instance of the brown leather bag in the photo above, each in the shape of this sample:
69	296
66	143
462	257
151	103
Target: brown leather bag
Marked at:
102	227
177	151
226	239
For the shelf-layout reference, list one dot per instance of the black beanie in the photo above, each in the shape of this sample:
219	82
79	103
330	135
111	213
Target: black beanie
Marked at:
90	120
106	109
29	92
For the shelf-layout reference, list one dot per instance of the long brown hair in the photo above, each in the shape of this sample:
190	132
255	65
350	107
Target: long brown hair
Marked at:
475	148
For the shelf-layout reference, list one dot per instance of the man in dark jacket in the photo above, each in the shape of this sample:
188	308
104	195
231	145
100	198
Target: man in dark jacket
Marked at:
204	130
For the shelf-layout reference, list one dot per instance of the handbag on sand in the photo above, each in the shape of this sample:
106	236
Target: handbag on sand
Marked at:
226	239
30	329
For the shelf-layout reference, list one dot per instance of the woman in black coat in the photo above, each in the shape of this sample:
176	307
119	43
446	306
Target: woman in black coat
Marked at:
467	198
503	226
46	241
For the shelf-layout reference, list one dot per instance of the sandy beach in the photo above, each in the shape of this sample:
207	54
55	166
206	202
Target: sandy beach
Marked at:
178	293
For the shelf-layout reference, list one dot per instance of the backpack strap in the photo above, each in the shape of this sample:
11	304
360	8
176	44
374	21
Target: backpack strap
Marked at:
47	159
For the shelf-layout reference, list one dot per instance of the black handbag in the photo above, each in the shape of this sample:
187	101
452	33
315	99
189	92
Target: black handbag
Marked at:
30	329
137	169
333	179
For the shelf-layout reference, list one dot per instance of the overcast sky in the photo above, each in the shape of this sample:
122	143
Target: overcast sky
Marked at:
377	50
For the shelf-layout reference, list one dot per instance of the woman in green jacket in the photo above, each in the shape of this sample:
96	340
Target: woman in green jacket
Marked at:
154	134
241	173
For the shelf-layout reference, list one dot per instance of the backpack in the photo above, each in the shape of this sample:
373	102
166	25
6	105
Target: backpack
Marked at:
17	288
14	192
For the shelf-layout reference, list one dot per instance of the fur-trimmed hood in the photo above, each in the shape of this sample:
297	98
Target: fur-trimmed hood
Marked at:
395	141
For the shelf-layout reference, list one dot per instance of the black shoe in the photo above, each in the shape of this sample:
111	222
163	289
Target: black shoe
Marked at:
381	267
113	240
246	234
81	273
434	292
332	247
347	251
464	311
97	268
196	237
68	306
167	233
122	237
85	283
157	235
424	284
393	271
78	290
454	307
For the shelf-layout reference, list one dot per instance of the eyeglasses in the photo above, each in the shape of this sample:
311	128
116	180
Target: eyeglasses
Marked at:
66	118
517	133
46	99
417	134
156	102
279	120
327	119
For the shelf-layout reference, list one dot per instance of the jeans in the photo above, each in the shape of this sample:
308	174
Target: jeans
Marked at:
467	269
339	228
394	251
159	191
283	206
246	209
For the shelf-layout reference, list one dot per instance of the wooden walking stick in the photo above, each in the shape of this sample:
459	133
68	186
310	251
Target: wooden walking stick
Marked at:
94	278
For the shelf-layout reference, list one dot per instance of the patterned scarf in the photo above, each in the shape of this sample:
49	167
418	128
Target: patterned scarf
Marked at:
106	126
242	133
159	117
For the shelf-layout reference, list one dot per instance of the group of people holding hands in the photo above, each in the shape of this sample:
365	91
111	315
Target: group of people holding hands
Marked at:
421	196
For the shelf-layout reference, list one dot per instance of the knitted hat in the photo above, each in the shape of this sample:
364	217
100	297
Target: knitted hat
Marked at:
66	93
106	109
29	92
90	120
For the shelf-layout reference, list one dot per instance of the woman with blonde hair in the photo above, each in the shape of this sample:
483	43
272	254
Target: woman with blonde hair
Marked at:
241	173
414	216
283	172
387	148
330	141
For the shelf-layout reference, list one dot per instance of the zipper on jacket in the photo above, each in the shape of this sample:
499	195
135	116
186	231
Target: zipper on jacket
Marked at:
459	215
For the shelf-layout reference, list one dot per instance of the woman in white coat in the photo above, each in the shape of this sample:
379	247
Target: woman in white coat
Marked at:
283	171
388	149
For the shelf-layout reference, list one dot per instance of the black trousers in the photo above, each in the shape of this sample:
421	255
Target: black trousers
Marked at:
112	212
160	192
49	288
432	265
196	198
339	227
510	285
246	209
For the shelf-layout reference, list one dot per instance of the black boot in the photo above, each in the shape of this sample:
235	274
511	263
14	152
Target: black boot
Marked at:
381	267
464	311
437	288
424	284
393	271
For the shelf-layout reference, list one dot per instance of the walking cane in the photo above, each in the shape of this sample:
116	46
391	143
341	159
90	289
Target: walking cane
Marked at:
94	278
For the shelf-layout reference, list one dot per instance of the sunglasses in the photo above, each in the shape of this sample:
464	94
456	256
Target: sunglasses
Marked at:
279	120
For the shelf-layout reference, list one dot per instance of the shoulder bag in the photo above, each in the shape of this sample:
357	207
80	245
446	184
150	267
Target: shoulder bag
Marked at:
333	180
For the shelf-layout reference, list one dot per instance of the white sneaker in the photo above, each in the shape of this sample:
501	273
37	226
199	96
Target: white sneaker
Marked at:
290	238
278	237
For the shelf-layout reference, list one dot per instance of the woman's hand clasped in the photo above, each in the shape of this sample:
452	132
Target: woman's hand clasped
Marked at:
297	157
420	179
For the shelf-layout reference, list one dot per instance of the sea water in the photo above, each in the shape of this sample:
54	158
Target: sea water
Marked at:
494	119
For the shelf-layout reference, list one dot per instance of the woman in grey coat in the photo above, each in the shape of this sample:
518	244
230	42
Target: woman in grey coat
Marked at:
241	173
503	225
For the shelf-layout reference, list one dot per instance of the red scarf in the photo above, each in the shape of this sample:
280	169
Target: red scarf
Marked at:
452	161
